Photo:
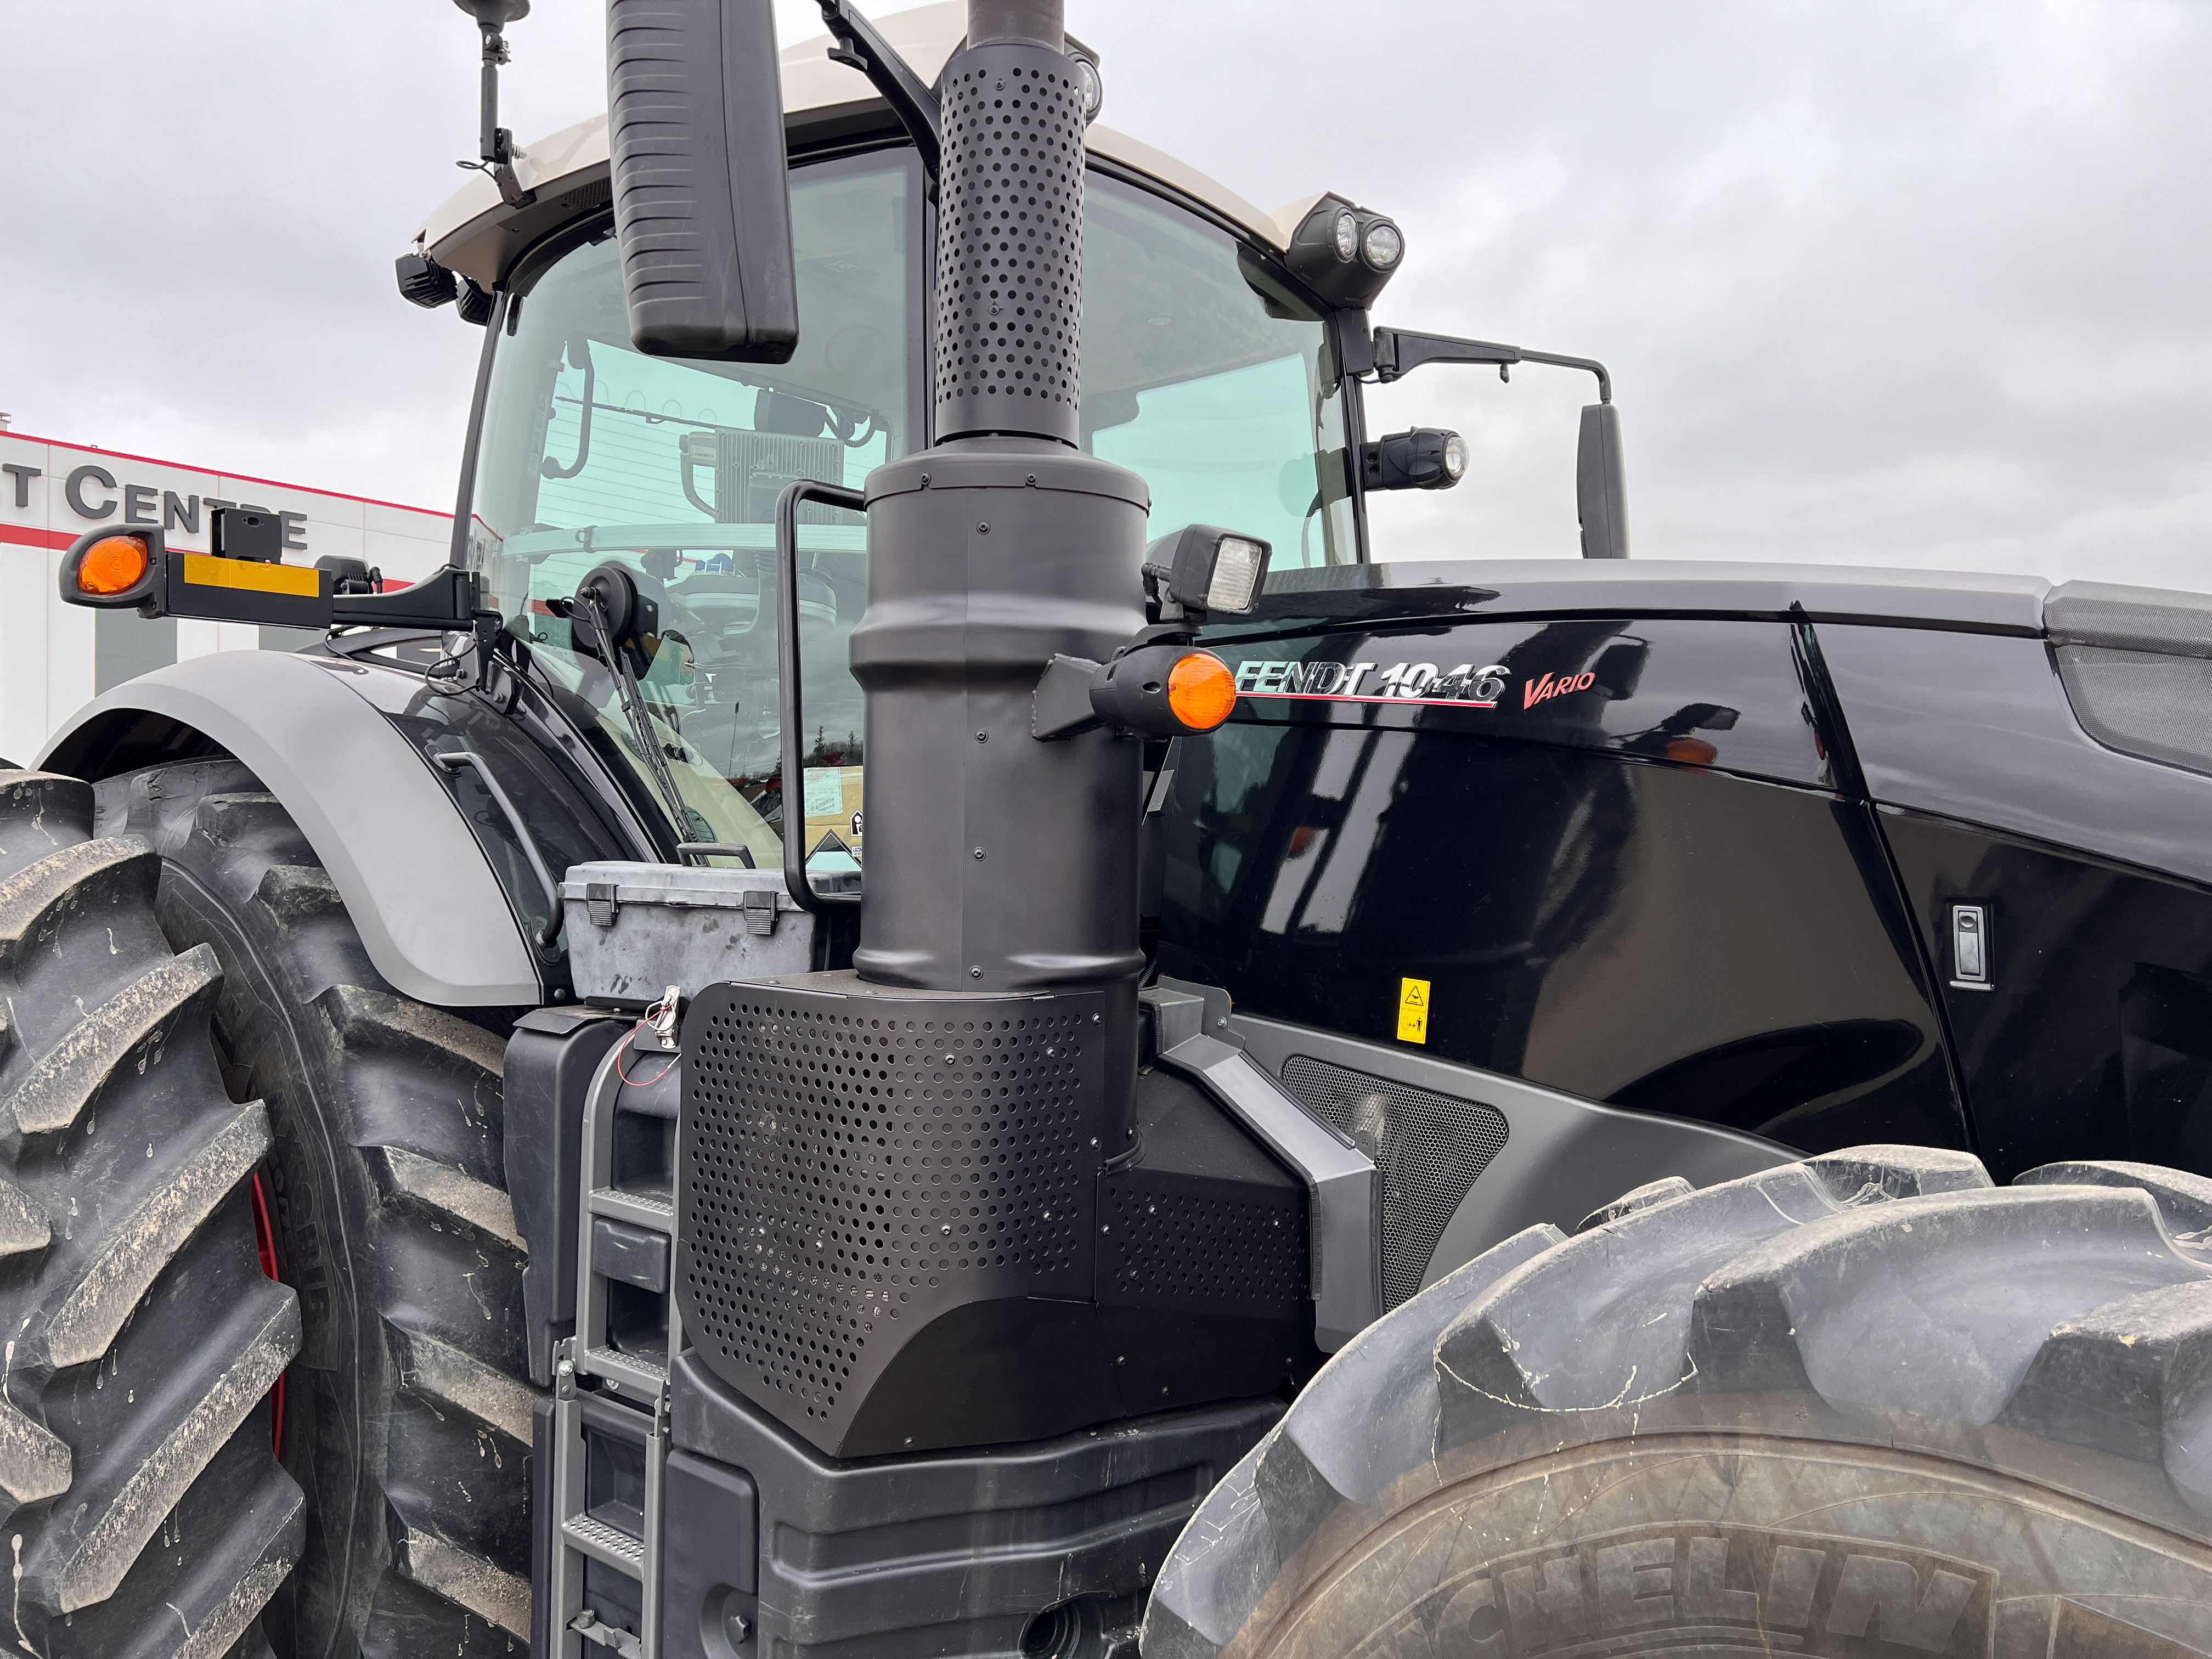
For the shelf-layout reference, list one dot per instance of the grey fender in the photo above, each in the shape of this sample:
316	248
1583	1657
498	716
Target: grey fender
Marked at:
1564	1157
414	881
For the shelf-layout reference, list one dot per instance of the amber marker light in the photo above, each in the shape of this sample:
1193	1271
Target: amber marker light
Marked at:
1202	691
113	564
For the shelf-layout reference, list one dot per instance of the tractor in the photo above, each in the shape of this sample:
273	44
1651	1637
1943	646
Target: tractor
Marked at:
922	1007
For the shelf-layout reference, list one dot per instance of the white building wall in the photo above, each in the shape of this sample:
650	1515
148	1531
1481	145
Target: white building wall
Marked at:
51	492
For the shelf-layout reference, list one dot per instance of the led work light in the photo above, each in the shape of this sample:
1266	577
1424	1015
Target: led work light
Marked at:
1208	570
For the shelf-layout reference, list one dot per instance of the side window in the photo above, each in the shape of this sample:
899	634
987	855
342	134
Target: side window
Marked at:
593	451
1226	404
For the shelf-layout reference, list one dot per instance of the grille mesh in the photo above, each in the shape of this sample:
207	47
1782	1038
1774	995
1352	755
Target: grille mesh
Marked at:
854	1165
1429	1147
1168	1241
1010	246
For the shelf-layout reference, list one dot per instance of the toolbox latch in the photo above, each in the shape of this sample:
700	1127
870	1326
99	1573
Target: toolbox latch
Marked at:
600	903
759	910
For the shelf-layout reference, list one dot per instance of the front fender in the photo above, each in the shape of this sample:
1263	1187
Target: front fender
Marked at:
416	883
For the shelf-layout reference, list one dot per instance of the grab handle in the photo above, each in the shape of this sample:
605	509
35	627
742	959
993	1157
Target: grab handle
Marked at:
450	759
786	668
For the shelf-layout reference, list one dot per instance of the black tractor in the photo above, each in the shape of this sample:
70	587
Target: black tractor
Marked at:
922	1009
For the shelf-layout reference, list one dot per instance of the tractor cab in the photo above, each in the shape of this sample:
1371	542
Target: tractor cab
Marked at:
1208	366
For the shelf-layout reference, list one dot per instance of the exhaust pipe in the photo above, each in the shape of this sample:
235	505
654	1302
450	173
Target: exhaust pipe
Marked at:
952	1101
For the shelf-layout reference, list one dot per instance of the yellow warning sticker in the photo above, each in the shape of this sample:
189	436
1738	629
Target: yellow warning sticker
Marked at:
1412	1011
204	570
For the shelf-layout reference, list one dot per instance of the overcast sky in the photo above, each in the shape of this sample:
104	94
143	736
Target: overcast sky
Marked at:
1882	282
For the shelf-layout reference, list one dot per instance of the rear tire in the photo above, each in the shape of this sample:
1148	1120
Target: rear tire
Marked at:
145	1514
407	1416
1863	1404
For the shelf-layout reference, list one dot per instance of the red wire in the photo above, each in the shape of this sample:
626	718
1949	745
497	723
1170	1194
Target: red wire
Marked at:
631	1081
265	1242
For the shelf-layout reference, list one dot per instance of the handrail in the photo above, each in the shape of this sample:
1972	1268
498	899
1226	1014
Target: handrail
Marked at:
787	699
456	758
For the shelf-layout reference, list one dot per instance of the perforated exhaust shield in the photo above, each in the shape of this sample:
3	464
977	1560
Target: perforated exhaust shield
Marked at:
878	1194
1009	244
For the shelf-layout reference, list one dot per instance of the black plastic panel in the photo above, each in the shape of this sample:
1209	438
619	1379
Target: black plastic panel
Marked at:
1979	727
549	1061
2095	1039
1659	936
910	1556
1723	694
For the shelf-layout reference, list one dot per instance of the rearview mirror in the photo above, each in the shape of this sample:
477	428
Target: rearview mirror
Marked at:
1601	484
703	203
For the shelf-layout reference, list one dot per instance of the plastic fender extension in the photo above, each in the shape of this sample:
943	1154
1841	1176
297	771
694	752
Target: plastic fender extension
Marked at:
1863	1404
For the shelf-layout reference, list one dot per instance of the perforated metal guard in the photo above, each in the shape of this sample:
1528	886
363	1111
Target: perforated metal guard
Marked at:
1189	1244
1009	244
853	1166
1429	1147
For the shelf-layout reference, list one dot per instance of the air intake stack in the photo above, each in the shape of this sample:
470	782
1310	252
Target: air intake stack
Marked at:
889	1178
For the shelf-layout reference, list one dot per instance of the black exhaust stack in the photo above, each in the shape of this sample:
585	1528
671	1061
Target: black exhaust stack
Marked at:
889	1179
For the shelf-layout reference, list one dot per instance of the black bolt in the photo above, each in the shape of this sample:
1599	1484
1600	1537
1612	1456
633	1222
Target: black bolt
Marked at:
982	737
1032	480
982	530
979	852
975	972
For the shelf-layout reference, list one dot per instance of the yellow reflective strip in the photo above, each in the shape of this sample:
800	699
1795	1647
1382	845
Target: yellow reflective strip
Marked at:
206	570
1412	1011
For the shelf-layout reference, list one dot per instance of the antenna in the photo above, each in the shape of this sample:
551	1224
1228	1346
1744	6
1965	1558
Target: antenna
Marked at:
495	144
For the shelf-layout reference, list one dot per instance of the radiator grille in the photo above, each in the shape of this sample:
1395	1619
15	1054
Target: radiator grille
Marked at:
854	1165
1429	1147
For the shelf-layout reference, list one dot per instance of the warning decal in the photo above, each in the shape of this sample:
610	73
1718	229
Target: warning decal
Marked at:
1412	1011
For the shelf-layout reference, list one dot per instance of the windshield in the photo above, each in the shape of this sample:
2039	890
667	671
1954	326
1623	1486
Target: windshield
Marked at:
1223	400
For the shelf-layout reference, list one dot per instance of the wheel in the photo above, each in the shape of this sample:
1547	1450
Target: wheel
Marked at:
407	1416
1864	1405
145	1514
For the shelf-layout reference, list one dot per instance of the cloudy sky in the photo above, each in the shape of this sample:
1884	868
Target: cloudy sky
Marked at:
1880	281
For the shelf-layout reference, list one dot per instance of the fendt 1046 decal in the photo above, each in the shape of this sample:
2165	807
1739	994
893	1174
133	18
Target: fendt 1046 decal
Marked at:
1464	687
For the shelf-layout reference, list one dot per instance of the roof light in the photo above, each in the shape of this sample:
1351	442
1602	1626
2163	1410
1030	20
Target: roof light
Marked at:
1088	83
1384	246
1343	253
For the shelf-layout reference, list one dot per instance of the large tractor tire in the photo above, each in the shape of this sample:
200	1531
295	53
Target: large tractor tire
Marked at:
407	1417
1864	1405
145	1514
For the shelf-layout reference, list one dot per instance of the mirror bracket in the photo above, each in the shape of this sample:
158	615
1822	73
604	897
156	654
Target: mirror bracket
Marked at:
859	46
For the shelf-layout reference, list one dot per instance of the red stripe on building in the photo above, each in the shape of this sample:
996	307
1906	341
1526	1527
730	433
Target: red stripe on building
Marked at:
23	535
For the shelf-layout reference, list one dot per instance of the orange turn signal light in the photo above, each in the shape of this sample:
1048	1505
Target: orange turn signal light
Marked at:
113	564
1202	691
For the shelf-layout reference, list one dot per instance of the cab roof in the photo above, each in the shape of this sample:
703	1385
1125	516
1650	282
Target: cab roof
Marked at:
474	233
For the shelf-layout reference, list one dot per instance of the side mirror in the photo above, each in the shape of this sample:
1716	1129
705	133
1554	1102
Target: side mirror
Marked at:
1601	484
1600	481
702	201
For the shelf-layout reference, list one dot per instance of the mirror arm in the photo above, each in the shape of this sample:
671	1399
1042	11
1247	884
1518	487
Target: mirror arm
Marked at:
1398	354
495	148
859	46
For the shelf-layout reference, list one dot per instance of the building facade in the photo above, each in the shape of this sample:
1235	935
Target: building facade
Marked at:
56	658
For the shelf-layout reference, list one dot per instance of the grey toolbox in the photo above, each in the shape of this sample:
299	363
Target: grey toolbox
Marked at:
636	929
